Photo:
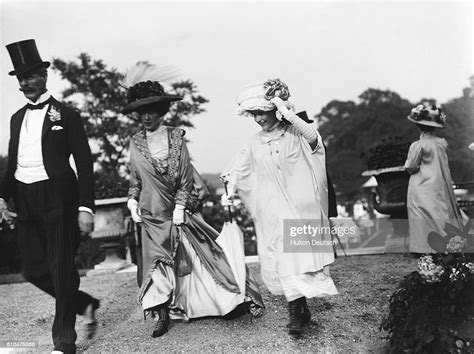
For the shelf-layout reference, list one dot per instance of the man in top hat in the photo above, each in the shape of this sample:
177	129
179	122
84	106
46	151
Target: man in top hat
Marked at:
53	205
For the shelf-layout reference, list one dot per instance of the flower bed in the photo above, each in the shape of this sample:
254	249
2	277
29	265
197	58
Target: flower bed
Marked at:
424	310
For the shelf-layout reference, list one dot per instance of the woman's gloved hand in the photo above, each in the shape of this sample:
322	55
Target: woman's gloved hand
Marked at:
227	199
178	214
281	107
132	205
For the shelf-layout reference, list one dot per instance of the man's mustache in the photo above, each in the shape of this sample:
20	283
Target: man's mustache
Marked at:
26	89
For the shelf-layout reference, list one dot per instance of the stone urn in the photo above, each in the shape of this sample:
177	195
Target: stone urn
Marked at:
111	230
391	199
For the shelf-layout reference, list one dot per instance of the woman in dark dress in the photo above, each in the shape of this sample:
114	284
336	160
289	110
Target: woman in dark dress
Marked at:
185	272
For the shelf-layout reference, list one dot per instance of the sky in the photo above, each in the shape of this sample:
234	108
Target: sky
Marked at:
323	50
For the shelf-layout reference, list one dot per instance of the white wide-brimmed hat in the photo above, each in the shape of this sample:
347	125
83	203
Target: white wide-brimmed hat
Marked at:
257	96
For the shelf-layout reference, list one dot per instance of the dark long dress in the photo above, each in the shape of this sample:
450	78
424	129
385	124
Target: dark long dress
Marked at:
183	266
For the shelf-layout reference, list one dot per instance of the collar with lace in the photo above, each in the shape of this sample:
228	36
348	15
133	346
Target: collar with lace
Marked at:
275	134
157	131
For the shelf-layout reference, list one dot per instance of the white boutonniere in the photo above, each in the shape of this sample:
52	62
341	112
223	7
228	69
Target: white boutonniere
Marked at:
54	114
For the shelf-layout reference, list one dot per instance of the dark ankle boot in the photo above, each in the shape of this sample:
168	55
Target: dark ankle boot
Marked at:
163	322
306	314
294	312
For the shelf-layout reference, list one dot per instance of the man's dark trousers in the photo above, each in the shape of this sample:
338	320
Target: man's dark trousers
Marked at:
48	237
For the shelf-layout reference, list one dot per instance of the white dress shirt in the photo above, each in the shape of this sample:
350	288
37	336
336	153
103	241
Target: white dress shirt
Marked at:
30	166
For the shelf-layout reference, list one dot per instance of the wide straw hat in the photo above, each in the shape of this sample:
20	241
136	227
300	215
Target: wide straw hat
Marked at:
428	115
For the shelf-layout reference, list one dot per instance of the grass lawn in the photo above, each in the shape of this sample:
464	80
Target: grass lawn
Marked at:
348	322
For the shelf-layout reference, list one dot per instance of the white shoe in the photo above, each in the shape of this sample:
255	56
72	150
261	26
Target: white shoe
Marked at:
57	352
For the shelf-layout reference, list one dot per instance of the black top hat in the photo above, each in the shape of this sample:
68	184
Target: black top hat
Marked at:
147	93
303	115
25	57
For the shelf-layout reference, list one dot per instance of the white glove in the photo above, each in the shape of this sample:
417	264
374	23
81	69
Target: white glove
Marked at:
227	199
178	214
132	205
281	106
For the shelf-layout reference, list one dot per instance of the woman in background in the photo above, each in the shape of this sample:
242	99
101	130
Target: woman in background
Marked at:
430	198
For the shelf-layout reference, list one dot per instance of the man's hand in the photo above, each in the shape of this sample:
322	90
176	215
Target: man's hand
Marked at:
6	215
86	222
3	205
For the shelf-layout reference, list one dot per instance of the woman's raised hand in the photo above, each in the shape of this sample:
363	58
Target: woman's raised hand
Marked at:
281	106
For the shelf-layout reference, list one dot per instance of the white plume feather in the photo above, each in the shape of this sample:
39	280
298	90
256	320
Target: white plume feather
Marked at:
144	71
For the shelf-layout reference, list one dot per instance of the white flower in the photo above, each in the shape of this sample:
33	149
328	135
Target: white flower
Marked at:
418	109
54	114
429	271
455	244
470	265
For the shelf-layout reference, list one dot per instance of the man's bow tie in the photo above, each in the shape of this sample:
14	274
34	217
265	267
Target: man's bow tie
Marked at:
39	105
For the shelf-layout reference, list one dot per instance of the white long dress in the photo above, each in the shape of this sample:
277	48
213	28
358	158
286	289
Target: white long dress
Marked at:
278	176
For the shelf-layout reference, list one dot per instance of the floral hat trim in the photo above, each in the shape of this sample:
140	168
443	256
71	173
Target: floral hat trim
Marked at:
429	115
257	96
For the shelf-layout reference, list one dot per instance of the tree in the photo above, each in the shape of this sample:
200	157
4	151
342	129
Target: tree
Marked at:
350	129
96	91
459	132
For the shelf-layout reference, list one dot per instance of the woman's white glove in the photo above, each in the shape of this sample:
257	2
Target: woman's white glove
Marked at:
281	106
132	205
307	130
178	214
227	199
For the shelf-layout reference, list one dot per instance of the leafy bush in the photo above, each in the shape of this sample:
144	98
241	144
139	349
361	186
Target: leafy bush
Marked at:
429	301
110	185
421	315
391	152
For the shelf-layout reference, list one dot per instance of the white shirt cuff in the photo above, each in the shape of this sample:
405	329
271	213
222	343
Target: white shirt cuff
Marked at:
82	208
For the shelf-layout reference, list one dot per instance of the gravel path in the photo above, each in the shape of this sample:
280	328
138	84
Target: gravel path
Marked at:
348	322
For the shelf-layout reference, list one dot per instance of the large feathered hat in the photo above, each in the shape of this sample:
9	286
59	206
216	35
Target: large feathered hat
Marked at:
143	82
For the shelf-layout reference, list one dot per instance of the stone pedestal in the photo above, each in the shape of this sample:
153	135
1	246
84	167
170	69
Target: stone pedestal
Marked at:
391	199
110	231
